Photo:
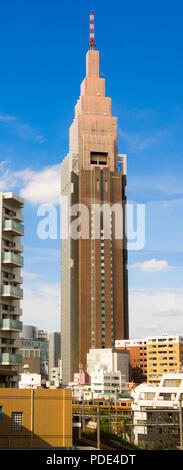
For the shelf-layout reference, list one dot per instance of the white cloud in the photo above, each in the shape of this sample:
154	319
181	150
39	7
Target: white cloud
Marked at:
152	265
155	311
41	306
43	186
36	187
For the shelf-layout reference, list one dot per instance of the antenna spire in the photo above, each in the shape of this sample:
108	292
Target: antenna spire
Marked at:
92	31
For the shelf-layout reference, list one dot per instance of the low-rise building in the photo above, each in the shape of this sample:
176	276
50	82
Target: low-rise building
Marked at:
109	360
35	418
28	380
157	411
138	357
106	384
34	339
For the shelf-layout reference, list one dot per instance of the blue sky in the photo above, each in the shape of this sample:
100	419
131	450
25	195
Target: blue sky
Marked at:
42	63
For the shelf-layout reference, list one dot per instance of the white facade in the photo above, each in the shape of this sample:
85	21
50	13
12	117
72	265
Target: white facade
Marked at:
105	383
165	396
28	380
108	360
55	379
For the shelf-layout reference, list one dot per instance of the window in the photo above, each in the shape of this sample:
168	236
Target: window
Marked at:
16	421
0	414
171	383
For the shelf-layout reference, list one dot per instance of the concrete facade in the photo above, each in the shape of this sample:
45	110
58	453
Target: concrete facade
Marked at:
11	231
35	418
156	412
94	268
54	350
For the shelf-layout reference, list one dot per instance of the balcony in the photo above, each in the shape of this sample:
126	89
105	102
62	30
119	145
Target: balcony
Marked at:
8	324
13	227
7	359
12	291
12	259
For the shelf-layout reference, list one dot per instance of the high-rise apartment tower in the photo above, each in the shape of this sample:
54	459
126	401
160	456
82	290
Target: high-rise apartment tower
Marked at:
94	291
11	231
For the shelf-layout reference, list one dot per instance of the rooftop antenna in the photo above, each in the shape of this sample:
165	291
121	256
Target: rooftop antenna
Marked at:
92	31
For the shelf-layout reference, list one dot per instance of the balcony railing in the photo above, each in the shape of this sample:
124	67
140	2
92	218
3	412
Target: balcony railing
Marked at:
12	258
13	226
12	291
8	358
9	324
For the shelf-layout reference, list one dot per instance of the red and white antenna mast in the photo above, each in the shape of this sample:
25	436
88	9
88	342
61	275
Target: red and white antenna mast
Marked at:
92	31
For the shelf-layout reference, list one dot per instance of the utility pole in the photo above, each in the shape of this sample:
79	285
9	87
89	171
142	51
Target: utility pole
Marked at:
180	422
116	413
98	427
109	413
83	416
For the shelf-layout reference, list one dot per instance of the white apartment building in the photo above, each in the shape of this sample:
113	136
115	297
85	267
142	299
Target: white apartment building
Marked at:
11	231
156	411
108	370
109	360
106	384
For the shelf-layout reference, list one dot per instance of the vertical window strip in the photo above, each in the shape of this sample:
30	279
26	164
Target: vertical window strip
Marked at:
92	286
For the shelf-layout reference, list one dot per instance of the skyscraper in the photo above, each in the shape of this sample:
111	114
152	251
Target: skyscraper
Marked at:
94	291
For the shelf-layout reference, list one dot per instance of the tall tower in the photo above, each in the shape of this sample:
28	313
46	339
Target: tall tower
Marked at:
94	290
11	231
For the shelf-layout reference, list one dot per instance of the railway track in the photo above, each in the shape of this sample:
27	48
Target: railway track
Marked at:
104	444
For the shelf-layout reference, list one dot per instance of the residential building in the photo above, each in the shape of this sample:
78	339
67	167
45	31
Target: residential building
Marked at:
94	260
54	350
55	377
32	339
35	418
157	410
11	231
109	360
138	357
152	356
164	354
106	384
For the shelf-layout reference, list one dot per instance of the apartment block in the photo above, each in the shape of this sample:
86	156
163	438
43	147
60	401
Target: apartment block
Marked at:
138	357
157	412
11	231
164	354
108	360
153	356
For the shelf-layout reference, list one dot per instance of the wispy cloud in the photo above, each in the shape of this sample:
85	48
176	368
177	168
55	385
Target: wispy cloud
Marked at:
138	141
146	304
22	129
151	266
41	305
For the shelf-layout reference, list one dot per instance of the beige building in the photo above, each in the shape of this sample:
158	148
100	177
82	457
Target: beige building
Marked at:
35	418
94	264
11	231
164	355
